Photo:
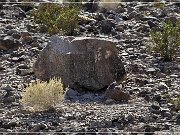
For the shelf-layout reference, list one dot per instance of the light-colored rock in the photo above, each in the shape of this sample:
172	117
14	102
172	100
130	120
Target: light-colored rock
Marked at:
89	63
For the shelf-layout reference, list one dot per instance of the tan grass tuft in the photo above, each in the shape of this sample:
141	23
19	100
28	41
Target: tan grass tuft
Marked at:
43	95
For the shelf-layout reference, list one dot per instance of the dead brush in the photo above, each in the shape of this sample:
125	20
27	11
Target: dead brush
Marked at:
41	96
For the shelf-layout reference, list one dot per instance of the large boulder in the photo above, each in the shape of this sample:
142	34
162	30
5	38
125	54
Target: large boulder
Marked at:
81	62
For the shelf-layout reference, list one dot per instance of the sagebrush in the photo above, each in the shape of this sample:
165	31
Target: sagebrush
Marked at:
167	41
58	18
43	95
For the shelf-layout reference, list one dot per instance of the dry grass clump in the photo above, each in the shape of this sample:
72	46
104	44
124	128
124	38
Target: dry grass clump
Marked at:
43	95
109	4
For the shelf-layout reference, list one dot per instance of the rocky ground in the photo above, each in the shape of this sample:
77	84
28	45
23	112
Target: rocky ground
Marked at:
152	83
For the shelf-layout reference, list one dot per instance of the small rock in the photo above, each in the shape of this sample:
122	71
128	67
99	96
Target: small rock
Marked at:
2	13
120	9
9	27
16	35
157	97
106	26
149	130
2	68
9	99
36	128
25	34
162	86
130	118
115	92
9	43
3	93
10	124
15	59
24	72
167	114
130	9
147	18
61	119
174	76
152	24
35	44
147	98
22	66
143	28
26	40
141	82
144	118
70	93
12	31
167	126
155	106
178	119
132	15
7	87
151	70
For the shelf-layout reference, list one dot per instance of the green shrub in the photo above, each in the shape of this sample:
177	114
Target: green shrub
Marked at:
167	42
58	18
42	95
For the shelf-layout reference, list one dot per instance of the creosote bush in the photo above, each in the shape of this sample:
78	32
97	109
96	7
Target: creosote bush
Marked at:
57	17
167	42
43	95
